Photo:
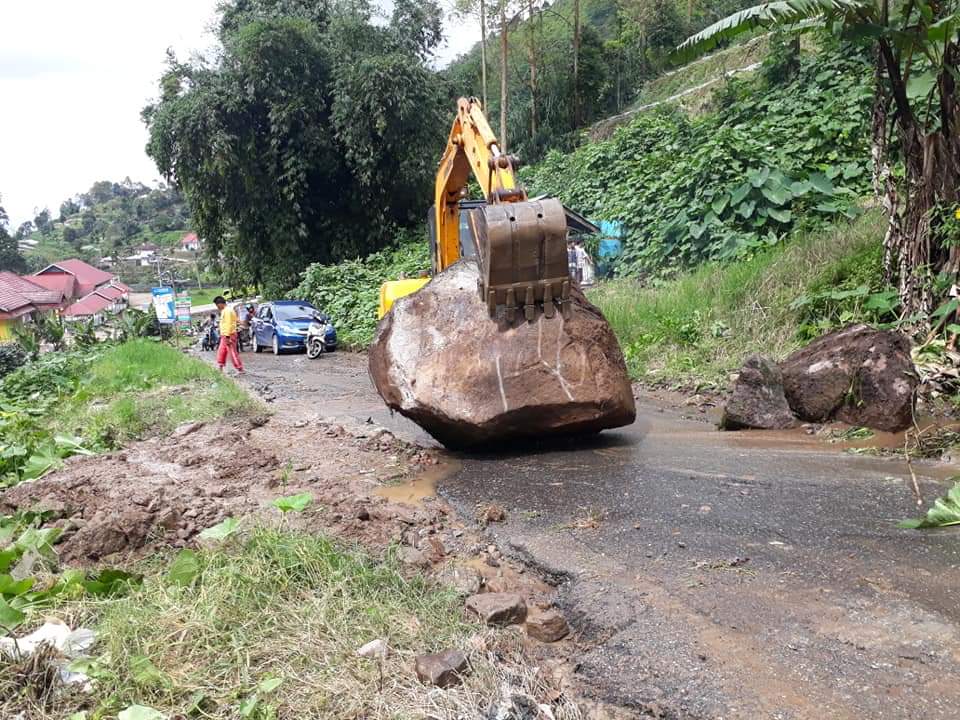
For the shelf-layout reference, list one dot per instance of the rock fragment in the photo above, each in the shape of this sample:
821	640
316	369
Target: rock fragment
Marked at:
498	608
758	399
443	669
547	625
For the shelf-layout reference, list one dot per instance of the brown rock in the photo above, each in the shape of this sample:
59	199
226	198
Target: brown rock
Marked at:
547	625
498	608
758	400
858	375
443	669
440	360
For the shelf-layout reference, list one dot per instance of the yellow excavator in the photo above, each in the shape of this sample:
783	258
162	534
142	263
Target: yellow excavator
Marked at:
520	245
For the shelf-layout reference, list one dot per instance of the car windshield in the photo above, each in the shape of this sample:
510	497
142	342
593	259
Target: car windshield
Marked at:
294	312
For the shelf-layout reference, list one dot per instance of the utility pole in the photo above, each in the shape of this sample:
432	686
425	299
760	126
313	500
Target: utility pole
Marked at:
483	51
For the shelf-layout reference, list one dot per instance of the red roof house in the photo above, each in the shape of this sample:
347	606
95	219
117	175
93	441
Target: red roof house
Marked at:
190	241
37	295
87	277
65	285
89	306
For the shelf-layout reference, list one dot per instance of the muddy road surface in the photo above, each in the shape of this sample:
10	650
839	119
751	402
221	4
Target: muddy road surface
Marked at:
708	574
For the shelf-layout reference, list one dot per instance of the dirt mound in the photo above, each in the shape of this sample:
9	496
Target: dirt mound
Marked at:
163	492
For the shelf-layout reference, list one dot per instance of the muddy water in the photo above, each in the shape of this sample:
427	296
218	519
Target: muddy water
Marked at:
422	487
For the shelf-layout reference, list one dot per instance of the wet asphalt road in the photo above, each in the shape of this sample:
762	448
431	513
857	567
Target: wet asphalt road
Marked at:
708	574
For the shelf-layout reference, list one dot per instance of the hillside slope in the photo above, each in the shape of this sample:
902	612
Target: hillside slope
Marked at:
780	151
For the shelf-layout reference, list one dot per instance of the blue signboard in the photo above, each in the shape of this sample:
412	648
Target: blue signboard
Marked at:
164	302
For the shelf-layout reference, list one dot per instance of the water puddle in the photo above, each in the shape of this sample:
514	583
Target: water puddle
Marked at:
423	486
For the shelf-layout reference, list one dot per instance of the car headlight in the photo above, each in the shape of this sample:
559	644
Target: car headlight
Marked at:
286	327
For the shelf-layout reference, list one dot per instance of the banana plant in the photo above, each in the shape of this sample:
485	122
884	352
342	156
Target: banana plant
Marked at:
916	119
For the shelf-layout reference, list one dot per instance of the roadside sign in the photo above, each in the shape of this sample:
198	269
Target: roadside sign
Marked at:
164	301
183	307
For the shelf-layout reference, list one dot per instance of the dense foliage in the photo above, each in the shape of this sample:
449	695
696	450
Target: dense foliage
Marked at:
621	45
774	156
349	291
310	137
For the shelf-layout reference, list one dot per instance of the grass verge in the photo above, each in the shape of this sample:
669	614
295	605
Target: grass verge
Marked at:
698	328
98	398
268	626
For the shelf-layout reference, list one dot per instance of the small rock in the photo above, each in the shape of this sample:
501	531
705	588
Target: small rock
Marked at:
363	514
443	669
491	513
374	648
300	424
186	429
462	578
547	625
413	557
498	608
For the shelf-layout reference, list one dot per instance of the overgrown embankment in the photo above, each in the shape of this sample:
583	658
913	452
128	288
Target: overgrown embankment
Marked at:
349	292
89	400
784	151
699	327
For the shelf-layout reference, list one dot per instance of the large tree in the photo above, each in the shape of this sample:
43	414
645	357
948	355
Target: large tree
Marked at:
10	257
310	137
916	121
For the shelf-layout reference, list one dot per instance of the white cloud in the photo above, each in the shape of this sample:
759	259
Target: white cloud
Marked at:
74	77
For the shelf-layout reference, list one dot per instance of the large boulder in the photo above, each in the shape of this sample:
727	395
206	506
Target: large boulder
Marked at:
758	400
440	360
858	375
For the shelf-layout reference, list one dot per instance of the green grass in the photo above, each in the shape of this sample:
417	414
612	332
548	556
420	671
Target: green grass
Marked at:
143	387
700	327
288	606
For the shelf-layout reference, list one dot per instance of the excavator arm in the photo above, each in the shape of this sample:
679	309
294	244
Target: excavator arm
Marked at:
520	244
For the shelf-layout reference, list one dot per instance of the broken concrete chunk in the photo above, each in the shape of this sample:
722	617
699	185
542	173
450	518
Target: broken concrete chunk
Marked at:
443	669
758	399
440	360
374	649
547	625
498	608
858	375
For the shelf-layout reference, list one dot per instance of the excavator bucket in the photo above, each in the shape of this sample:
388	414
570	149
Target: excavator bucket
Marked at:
523	257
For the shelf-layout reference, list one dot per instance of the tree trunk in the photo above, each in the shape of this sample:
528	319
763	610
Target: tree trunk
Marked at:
483	51
503	75
532	57
918	244
576	64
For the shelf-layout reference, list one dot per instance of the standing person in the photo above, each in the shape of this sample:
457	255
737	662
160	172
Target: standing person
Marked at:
228	336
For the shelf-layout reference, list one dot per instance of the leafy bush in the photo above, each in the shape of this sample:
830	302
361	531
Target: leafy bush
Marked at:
730	183
349	291
12	356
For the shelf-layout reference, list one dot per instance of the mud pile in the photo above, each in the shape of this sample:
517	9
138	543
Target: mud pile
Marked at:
440	360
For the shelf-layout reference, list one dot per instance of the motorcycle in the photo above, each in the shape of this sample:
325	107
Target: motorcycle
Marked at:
316	336
244	338
210	338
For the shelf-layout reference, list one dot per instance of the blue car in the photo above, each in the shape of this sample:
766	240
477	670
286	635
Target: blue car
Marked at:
283	324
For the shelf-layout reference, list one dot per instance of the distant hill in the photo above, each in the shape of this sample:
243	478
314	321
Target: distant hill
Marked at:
110	219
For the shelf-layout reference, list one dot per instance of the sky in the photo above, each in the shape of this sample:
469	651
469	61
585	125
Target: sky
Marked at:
74	77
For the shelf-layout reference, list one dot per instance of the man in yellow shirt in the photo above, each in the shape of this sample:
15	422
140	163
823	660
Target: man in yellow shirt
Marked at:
228	336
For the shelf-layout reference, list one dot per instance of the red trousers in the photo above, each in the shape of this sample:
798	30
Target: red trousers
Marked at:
228	345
